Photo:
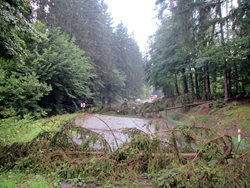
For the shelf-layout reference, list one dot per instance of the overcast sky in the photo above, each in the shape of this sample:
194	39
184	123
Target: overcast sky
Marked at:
137	15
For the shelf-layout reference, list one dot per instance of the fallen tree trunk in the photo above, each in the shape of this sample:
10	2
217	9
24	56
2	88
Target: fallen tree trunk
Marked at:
101	154
182	106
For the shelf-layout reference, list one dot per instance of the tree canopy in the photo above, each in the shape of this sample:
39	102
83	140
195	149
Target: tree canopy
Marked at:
119	70
201	48
56	53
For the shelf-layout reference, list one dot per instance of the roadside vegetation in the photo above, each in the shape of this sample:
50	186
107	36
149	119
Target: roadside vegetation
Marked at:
201	48
192	154
55	54
25	129
20	131
225	118
52	60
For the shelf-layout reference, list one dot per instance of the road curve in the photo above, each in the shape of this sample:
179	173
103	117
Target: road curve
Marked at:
112	127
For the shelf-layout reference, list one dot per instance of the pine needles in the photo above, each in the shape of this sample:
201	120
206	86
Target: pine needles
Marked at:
186	157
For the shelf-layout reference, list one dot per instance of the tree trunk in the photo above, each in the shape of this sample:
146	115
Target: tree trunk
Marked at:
229	83
226	93
201	87
214	86
207	82
225	82
236	79
191	83
197	90
185	84
176	84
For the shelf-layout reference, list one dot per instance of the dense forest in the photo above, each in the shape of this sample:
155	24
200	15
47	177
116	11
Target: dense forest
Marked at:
201	49
56	53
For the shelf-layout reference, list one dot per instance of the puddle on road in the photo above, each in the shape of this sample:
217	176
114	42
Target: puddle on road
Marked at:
112	128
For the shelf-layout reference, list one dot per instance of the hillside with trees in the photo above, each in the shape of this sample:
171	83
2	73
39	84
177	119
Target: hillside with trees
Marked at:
201	48
55	53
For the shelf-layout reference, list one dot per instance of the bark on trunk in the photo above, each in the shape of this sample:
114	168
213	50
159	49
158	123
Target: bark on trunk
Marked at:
236	79
176	85
191	83
225	82
230	83
197	90
185	84
214	86
207	82
219	11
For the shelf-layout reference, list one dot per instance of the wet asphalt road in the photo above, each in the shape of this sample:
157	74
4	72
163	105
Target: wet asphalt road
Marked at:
112	127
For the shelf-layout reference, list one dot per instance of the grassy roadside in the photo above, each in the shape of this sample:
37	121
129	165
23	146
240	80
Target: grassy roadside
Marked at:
14	130
224	118
135	162
15	179
23	130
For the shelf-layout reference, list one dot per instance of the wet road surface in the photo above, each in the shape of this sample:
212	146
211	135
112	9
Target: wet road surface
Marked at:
112	127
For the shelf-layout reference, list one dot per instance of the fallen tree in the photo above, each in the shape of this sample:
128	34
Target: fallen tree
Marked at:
183	157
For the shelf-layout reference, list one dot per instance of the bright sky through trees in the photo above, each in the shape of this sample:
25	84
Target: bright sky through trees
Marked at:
137	15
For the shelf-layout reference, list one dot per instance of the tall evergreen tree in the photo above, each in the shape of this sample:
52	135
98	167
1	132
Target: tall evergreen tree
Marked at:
129	60
197	43
90	24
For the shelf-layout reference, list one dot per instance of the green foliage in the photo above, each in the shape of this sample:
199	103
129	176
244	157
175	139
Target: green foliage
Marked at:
129	61
54	64
207	176
144	154
20	94
47	73
185	99
38	182
15	129
215	105
10	179
15	28
59	155
64	66
201	48
157	156
15	179
115	54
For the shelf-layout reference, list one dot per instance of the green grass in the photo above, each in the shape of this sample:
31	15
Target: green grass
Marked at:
23	130
15	179
202	118
175	122
225	119
10	179
237	115
176	119
16	130
38	182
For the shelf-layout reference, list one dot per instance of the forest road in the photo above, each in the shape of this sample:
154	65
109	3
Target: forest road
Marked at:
113	127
